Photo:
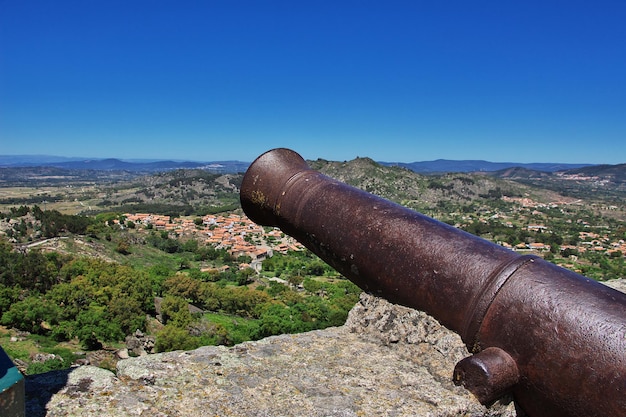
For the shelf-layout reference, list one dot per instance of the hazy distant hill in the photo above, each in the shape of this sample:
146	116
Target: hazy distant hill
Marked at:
387	179
156	166
606	181
615	173
118	187
446	165
33	160
112	164
516	173
40	176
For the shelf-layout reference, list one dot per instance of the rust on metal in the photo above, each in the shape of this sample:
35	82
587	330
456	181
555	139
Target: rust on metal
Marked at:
554	339
488	374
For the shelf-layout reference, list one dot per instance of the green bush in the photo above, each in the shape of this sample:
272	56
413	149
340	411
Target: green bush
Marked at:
30	314
174	338
41	367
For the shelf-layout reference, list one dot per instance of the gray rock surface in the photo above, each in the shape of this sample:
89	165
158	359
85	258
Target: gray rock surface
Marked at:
386	360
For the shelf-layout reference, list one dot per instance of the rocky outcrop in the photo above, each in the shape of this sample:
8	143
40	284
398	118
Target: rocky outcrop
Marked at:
386	360
137	344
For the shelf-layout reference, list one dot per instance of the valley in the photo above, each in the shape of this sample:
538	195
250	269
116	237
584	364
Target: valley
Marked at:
180	236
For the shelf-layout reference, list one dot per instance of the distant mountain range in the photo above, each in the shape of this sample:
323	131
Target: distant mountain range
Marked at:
571	178
446	165
111	164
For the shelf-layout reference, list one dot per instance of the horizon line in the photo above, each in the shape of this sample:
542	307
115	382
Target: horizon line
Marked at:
149	160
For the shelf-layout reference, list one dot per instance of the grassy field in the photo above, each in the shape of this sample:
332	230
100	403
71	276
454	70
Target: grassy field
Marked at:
238	328
24	349
67	200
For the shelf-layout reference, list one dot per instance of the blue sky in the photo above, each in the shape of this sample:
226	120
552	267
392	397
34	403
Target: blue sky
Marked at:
531	81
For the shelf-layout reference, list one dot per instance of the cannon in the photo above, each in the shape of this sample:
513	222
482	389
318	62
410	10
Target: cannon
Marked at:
554	339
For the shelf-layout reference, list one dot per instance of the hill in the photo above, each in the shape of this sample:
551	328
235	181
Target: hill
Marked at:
520	173
446	165
425	192
613	173
108	164
568	206
187	191
605	182
184	191
156	166
112	164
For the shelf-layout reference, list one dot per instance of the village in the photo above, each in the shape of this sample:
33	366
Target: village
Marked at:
242	237
236	233
587	240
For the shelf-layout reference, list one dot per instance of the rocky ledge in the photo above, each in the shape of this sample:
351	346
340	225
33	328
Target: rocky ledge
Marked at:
386	360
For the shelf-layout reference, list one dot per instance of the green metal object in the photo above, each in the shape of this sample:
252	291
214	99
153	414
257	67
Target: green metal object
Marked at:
11	388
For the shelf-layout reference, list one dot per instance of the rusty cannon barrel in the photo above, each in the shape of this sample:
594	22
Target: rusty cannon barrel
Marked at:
554	339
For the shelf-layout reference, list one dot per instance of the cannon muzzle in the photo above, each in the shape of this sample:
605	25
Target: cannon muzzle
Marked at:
554	339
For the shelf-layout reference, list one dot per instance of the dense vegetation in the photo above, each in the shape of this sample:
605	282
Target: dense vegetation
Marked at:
61	298
175	193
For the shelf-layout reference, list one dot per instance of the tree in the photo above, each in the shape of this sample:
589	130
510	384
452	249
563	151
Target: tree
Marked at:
567	252
295	280
244	276
30	315
127	313
183	286
311	285
74	296
174	338
8	297
93	326
31	271
276	319
175	312
123	247
158	275
183	263
316	268
190	245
